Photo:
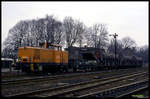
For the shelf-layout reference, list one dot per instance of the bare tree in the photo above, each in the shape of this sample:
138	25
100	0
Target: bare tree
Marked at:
128	45
50	26
89	38
144	53
103	36
58	33
31	32
15	39
73	30
41	30
97	36
80	29
53	29
119	47
127	42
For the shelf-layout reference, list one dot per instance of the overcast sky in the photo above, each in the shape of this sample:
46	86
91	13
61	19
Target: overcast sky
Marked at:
124	18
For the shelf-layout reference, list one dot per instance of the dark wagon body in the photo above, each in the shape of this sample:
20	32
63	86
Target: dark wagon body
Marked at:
97	59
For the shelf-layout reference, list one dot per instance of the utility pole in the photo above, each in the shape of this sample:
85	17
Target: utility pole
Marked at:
114	35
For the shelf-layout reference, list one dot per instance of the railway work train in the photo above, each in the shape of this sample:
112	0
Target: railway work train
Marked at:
50	58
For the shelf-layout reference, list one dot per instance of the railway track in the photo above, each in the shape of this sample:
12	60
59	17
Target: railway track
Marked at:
142	92
135	88
34	79
78	90
62	90
43	78
27	86
119	91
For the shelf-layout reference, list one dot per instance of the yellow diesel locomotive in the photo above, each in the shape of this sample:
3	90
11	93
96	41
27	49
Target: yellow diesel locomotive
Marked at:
45	58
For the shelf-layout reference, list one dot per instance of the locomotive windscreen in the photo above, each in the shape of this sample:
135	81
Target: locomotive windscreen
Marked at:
88	56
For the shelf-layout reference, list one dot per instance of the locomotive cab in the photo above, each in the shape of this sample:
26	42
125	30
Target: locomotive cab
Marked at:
51	46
